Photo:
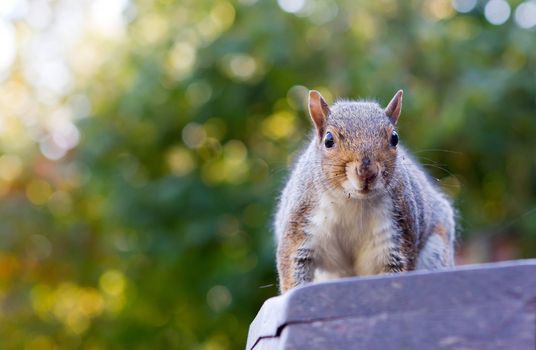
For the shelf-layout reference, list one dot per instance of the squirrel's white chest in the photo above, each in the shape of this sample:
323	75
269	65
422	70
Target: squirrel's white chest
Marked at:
351	237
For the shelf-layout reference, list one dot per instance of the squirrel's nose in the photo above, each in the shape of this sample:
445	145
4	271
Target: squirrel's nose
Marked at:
366	172
364	166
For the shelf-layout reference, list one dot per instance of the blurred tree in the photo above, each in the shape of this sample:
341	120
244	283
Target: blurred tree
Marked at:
154	231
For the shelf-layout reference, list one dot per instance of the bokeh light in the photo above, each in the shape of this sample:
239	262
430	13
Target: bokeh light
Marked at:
525	14
291	6
497	11
464	6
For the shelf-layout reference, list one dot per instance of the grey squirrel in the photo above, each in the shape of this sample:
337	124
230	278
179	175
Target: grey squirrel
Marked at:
357	203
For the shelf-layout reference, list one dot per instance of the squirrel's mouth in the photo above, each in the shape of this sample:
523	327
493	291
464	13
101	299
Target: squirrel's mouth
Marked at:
363	194
357	189
365	189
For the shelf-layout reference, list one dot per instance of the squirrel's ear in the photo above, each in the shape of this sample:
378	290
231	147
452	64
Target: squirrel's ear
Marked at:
394	107
319	110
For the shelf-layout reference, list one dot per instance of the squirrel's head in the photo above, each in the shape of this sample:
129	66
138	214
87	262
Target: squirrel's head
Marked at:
357	144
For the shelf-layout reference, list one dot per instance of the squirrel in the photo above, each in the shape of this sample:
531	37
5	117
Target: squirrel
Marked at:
357	203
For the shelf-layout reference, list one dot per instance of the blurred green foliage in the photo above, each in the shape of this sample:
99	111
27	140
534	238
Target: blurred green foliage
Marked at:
154	232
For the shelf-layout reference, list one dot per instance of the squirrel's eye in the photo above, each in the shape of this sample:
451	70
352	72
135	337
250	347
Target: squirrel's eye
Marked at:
328	140
394	139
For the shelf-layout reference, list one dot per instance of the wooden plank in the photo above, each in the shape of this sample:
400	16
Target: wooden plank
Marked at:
490	306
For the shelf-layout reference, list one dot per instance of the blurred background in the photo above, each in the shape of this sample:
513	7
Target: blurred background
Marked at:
143	144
